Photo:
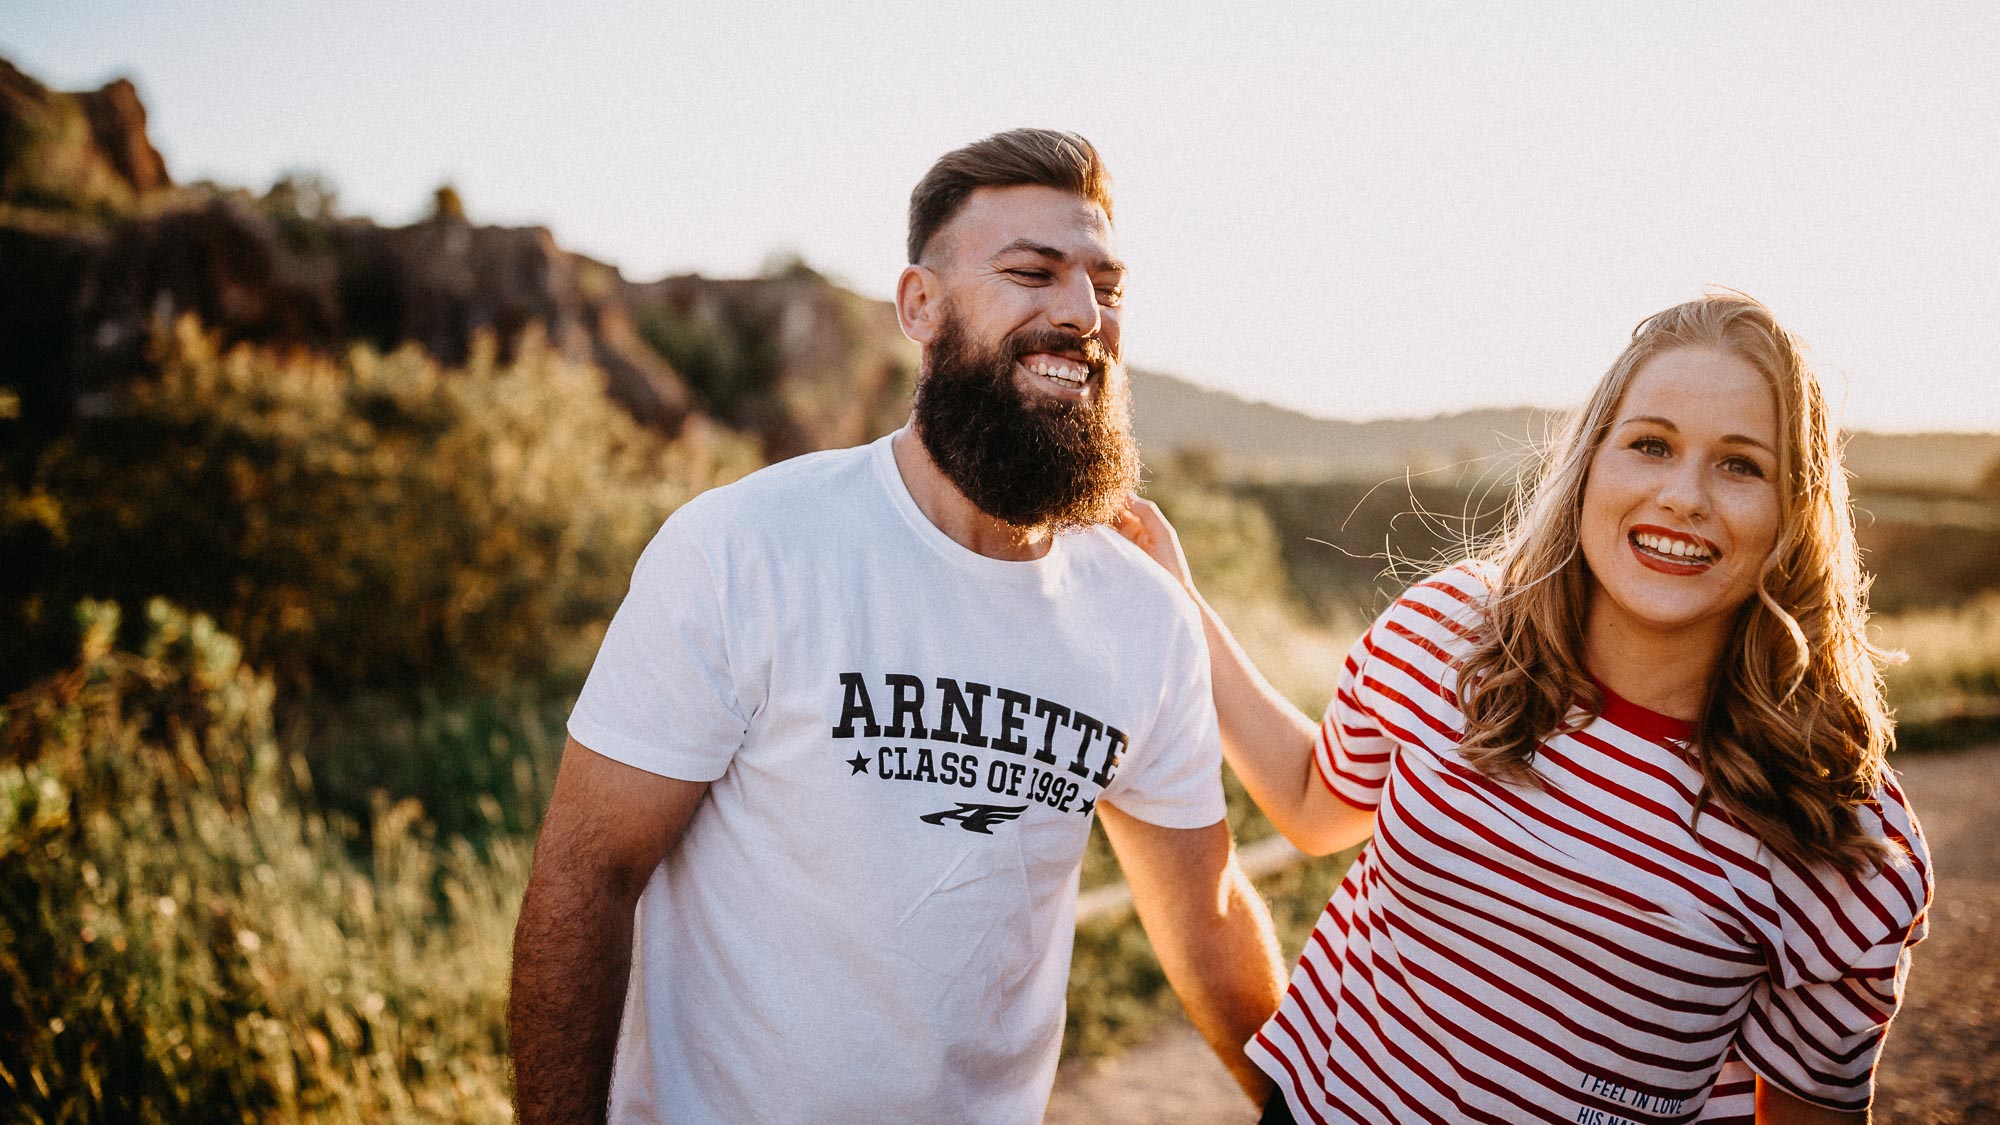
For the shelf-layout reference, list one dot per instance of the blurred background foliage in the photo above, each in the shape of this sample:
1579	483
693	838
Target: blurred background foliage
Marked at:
371	522
184	938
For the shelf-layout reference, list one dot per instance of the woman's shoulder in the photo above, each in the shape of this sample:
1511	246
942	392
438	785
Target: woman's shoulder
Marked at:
1452	601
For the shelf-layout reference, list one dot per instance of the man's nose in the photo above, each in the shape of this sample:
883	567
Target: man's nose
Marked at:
1074	306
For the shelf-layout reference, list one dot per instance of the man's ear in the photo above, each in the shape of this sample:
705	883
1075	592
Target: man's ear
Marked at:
918	303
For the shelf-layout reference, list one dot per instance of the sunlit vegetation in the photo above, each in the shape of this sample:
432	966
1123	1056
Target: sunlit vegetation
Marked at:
182	938
263	838
376	521
1948	692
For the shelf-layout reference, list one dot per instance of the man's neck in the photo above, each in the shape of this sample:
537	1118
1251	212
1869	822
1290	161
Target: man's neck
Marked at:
950	512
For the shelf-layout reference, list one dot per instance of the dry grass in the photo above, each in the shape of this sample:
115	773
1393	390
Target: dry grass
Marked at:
1952	676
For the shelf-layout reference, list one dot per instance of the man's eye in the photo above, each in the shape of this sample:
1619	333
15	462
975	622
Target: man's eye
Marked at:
1109	296
1029	275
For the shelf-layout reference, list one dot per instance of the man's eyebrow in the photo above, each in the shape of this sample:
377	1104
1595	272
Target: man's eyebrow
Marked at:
1668	425
1042	250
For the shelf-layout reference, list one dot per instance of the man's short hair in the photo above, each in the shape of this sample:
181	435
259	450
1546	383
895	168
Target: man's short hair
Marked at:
1044	157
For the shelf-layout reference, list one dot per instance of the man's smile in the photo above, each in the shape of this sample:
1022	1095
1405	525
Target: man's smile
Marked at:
1064	372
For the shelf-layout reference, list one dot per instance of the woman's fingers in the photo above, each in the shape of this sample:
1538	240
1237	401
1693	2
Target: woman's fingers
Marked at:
1142	523
1134	525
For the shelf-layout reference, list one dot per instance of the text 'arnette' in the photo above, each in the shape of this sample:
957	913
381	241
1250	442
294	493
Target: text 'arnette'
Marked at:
958	711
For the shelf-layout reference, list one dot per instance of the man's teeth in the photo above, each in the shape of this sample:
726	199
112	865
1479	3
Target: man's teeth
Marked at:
1679	548
1071	377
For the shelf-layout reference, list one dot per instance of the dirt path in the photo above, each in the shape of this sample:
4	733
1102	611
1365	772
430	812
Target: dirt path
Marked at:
1941	1065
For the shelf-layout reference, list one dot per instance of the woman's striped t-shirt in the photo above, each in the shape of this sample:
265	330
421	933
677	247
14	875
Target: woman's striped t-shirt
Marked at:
1588	952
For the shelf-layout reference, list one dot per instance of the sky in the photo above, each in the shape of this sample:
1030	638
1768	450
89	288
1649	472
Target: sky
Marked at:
1359	211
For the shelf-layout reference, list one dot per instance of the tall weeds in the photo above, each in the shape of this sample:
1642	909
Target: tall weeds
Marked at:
182	942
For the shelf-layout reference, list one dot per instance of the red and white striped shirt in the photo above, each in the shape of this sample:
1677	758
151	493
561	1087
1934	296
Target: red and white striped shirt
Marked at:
1577	953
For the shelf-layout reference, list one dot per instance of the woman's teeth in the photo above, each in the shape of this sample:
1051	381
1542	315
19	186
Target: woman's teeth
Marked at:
1672	548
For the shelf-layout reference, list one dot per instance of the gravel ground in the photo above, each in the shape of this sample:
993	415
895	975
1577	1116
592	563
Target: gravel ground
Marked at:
1941	1065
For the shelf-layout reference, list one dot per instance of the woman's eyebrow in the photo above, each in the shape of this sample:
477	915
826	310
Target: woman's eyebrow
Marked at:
1667	424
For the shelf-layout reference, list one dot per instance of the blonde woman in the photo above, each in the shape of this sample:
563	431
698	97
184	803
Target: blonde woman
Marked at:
1635	853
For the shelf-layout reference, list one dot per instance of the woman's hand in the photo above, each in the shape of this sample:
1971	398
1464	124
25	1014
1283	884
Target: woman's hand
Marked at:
1142	523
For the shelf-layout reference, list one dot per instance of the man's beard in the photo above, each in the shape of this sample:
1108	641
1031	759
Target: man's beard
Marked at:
1027	461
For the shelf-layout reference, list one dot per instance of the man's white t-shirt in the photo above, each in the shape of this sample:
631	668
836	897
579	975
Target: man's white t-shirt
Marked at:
870	917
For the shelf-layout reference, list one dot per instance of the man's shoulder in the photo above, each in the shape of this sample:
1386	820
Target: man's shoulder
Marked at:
1143	586
807	484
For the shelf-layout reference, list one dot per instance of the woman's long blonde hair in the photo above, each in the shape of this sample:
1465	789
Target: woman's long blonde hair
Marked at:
1792	736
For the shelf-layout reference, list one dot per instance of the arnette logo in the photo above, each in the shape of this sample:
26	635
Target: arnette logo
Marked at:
976	818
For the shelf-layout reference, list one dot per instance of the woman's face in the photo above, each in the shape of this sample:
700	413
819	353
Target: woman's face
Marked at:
1680	509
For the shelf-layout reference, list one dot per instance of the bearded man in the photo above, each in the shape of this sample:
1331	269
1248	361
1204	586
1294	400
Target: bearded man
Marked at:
812	853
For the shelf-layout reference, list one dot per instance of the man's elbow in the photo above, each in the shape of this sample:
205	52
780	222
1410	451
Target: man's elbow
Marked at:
567	882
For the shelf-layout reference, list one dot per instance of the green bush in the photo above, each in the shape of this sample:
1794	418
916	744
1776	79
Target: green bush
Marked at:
481	765
179	941
373	522
729	360
1947	693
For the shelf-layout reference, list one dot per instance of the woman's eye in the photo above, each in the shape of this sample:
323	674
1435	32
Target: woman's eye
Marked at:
1651	446
1743	466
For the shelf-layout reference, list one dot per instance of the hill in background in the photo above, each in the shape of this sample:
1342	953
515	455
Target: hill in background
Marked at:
1261	440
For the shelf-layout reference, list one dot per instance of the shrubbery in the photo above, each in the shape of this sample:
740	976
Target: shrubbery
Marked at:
375	522
180	940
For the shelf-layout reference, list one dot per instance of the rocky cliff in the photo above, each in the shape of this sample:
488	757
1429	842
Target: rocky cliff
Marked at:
84	151
101	249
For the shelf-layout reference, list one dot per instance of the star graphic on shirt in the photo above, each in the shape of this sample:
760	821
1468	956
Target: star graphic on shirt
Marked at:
1088	804
860	763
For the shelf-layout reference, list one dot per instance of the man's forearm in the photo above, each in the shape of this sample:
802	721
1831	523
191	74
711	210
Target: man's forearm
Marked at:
1209	929
572	958
1232	982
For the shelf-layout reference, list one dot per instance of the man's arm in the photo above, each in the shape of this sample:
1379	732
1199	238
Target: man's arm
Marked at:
608	826
1210	930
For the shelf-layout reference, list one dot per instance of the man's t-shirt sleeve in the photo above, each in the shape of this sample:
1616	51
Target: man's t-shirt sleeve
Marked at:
660	696
1172	773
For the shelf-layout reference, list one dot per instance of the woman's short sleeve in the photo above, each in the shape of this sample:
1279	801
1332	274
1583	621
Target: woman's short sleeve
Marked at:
1816	1024
1396	685
1354	751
